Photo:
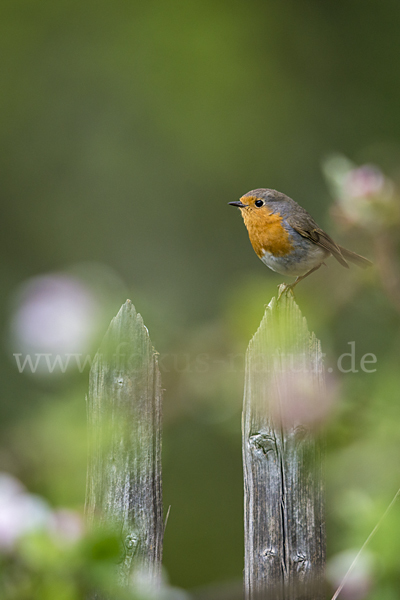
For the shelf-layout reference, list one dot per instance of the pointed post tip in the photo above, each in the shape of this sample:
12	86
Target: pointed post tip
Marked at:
128	305
126	311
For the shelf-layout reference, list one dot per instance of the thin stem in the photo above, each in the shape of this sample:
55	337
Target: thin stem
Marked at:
350	569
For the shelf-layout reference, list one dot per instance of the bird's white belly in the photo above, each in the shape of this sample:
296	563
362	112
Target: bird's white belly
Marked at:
295	264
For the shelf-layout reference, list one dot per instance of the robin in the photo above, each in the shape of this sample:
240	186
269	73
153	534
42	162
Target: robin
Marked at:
286	237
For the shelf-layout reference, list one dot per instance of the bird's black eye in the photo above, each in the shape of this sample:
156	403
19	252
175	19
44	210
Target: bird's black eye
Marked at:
259	203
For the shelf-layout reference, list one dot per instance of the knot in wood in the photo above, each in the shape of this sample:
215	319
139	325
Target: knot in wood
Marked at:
269	553
130	544
262	442
300	561
301	433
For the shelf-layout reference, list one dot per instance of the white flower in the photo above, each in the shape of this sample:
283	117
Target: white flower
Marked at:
20	512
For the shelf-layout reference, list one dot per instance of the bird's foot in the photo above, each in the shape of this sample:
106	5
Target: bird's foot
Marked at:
285	288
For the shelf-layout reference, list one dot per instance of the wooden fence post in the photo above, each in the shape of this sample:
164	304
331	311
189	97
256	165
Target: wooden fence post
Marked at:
124	469
284	504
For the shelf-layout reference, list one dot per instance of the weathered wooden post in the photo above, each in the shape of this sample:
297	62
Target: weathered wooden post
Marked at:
284	505
124	470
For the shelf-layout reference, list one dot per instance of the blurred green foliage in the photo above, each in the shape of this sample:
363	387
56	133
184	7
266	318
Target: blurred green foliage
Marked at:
125	129
44	569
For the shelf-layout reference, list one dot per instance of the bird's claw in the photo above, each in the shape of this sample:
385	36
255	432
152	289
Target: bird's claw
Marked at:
285	288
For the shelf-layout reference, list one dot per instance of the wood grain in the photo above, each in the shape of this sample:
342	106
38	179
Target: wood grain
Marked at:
124	489
283	484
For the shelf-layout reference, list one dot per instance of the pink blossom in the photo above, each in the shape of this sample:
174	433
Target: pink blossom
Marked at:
66	525
56	315
364	182
297	397
358	581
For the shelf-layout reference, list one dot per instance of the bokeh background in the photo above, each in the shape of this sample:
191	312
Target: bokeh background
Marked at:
126	127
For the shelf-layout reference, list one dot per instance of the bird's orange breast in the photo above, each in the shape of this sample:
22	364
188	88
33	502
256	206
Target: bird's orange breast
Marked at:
266	232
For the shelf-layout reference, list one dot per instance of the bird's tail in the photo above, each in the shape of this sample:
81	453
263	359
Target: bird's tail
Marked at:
358	260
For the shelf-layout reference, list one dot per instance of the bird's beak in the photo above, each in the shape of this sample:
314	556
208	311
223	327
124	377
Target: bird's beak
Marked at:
238	203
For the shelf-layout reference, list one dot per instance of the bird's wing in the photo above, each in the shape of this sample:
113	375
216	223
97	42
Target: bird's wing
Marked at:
310	230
